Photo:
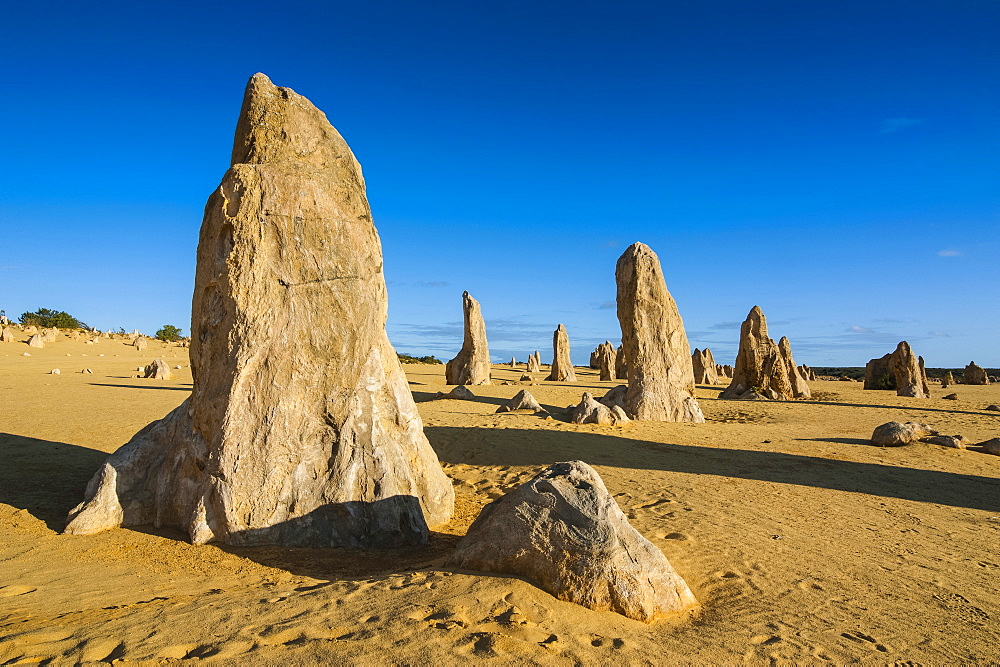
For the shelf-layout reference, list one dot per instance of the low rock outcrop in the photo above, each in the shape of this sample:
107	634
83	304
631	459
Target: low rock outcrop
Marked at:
158	369
564	532
591	411
36	341
896	434
522	401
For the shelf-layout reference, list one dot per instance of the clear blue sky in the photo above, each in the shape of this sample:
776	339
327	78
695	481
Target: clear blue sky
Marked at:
835	162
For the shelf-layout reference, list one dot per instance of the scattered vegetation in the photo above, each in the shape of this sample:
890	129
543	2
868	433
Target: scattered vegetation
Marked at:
169	333
407	359
44	317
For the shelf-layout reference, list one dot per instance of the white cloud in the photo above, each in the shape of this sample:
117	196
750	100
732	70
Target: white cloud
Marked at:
890	125
949	253
860	330
939	334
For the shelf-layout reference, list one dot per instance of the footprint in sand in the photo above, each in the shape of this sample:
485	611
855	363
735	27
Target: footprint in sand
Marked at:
11	591
862	638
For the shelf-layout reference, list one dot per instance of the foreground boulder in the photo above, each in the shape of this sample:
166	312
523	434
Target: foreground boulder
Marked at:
975	374
660	378
562	367
301	429
35	341
896	434
764	369
704	367
564	532
472	363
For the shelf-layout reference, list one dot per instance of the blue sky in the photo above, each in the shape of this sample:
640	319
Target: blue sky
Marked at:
835	163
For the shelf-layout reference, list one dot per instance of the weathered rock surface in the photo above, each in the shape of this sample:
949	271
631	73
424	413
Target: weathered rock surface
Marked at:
994	407
534	362
563	531
50	335
908	372
807	373
703	365
975	374
522	401
800	388
301	429
660	378
6	335
764	368
896	434
899	370
562	368
950	397
591	411
472	363
459	393
158	369
139	344
947	380
621	364
606	361
956	441
991	446
36	341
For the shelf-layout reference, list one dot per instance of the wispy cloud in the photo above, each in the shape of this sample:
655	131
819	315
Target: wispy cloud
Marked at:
606	305
723	326
949	253
610	244
860	330
939	334
890	125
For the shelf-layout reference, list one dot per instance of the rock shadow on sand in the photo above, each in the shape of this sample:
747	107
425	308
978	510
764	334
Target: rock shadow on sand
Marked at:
477	446
43	477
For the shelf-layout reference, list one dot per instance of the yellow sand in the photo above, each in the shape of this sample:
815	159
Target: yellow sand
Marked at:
802	541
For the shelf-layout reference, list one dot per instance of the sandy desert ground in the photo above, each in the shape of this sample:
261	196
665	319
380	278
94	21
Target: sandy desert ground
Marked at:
802	541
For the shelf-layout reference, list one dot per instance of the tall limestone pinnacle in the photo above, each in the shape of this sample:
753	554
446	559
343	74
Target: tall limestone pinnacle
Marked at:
301	429
660	377
472	364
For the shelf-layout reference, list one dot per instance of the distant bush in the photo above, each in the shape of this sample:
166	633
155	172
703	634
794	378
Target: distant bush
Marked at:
407	359
43	317
169	333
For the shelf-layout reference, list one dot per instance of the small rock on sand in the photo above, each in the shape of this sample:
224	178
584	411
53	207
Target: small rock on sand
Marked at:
896	434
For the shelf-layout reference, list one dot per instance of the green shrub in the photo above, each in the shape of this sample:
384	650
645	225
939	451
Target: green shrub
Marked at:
169	333
43	317
407	359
